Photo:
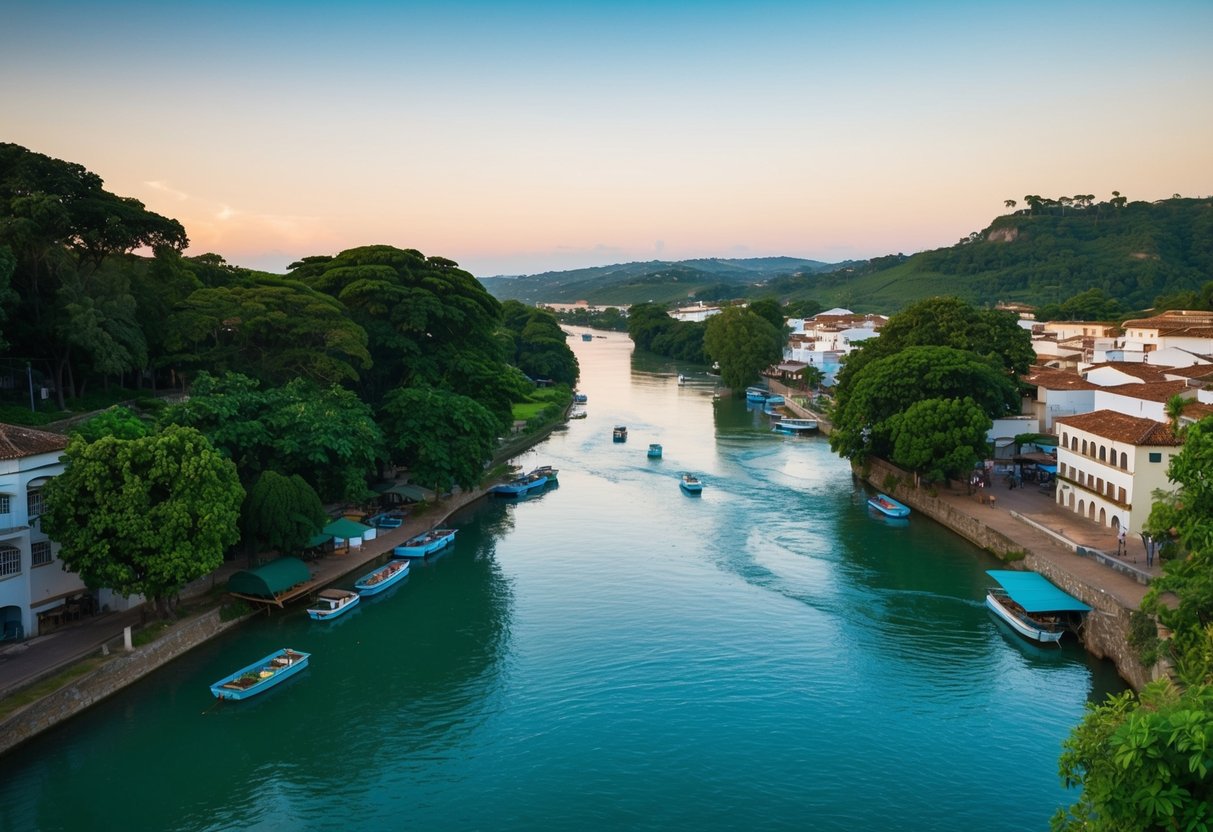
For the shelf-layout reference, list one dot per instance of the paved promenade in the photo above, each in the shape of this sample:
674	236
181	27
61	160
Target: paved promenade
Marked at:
42	656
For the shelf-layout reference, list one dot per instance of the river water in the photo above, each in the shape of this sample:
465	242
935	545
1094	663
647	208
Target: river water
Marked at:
608	654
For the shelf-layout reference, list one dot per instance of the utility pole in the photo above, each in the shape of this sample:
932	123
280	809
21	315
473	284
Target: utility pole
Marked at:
29	373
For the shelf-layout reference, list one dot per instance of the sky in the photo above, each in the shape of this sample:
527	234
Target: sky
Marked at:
520	137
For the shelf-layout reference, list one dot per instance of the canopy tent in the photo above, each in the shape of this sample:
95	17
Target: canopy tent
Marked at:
271	583
406	492
345	528
1034	592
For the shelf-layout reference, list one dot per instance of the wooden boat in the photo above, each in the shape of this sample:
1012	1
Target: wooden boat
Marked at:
424	544
389	574
331	603
526	483
620	434
261	675
795	427
1032	606
887	506
654	451
690	484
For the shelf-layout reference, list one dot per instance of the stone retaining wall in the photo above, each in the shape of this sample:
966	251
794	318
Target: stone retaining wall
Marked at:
115	674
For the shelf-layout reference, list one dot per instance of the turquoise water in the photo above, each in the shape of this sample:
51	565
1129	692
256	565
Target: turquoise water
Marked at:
611	653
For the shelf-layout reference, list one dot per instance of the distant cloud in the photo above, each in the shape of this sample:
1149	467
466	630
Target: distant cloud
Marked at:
163	188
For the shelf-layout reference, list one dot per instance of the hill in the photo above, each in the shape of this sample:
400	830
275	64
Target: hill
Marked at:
656	280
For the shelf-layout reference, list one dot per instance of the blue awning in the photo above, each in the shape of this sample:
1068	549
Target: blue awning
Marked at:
1048	469
1034	592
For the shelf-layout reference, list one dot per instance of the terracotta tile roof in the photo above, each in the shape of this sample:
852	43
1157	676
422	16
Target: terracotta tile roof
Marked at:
1155	391
1051	378
1145	372
1198	410
1176	319
1120	427
17	442
1195	371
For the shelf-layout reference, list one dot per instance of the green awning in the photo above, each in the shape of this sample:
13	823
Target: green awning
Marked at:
317	540
1034	592
345	529
270	580
408	492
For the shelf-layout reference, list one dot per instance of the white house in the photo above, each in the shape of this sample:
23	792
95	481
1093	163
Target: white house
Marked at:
1059	393
1109	464
825	338
695	314
1112	373
1181	328
1148	400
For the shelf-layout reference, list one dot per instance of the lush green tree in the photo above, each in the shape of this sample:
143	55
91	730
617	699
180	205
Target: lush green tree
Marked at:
1142	764
811	376
144	516
1092	305
443	438
272	329
280	513
653	330
802	308
8	264
743	343
324	434
890	385
117	421
939	438
770	309
536	344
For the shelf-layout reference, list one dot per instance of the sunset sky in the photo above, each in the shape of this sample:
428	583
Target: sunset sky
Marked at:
517	137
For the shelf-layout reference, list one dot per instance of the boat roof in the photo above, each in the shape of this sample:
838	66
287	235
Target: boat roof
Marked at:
335	594
1035	593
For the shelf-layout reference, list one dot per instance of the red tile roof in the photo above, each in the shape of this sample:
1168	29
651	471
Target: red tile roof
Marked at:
1156	391
1194	372
17	442
1051	378
1120	427
1145	372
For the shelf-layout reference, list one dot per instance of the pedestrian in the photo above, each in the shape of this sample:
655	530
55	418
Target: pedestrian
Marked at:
1120	542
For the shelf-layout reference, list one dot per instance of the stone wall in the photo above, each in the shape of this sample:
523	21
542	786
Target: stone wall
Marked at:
112	676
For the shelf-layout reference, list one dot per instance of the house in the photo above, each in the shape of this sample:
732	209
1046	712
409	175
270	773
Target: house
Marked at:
1148	400
1109	464
826	338
1182	329
697	313
1059	393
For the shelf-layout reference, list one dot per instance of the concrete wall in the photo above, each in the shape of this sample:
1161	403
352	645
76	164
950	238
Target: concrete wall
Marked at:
115	674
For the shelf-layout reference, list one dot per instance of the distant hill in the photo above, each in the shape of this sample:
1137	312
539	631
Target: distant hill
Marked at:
655	280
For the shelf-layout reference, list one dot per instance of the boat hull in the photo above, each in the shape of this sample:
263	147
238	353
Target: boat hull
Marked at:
1026	628
424	545
888	506
324	614
294	662
364	588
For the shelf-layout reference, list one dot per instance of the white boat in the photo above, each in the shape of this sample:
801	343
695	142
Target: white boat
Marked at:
331	603
1035	627
1032	606
795	427
682	379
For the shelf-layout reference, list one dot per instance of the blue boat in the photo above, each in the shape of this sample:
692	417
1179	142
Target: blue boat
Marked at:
654	451
755	394
261	675
532	481
331	603
1032	606
580	398
887	506
795	427
690	484
424	544
586	336
372	583
620	434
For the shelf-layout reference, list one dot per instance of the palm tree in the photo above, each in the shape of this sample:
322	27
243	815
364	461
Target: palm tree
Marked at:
1175	408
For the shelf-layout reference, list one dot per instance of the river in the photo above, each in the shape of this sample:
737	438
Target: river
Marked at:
611	653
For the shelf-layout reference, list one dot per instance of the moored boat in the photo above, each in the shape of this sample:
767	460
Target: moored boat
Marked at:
654	451
580	398
690	484
795	427
586	336
424	544
261	675
389	574
526	483
620	434
887	506
331	603
682	379
1032	606
755	394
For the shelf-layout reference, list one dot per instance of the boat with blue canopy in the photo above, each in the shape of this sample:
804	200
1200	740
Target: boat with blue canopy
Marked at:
795	427
261	675
389	574
654	451
424	544
1032	606
755	394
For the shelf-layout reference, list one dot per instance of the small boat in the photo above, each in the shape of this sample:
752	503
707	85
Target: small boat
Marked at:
795	427
654	451
580	398
887	506
690	484
620	434
424	544
585	336
527	482
261	675
773	400
755	394
385	576
1032	606
578	414
331	603
682	379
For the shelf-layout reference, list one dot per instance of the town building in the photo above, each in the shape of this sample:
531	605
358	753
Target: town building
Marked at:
824	339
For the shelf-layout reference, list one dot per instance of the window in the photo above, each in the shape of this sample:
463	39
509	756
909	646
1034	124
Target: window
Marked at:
1124	460
42	552
6	502
1103	454
35	504
1156	457
10	561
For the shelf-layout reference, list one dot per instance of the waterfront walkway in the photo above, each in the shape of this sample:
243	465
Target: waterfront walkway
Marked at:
40	657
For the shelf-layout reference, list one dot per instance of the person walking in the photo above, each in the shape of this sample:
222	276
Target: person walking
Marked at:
1120	542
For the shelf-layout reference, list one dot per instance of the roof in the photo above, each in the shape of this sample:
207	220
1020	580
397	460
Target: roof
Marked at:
1136	369
1121	427
409	492
17	442
1034	592
271	580
1153	391
1051	378
1194	371
345	528
1175	319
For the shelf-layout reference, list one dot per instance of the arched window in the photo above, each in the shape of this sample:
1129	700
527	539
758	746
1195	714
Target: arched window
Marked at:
1103	454
1084	447
1103	517
1124	461
1074	444
1082	507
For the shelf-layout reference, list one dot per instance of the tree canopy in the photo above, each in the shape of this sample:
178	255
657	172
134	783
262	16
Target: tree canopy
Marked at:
144	516
744	344
443	438
281	513
536	343
652	329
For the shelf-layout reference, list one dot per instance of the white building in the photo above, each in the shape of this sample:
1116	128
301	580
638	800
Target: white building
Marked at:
1146	400
1182	329
696	313
1059	393
1109	464
824	339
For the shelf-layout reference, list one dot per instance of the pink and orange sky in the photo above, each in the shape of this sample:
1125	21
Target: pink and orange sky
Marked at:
518	137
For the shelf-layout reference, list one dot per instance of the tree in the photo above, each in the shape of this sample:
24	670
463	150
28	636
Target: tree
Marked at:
811	376
536	343
940	438
144	516
1010	203
743	343
443	438
1142	765
1174	409
117	421
280	513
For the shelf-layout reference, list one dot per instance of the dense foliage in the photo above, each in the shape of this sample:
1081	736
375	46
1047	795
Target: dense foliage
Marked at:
611	318
744	343
443	438
143	516
652	329
536	344
280	514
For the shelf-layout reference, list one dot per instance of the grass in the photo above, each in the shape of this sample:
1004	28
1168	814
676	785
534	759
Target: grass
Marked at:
525	411
46	687
148	634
